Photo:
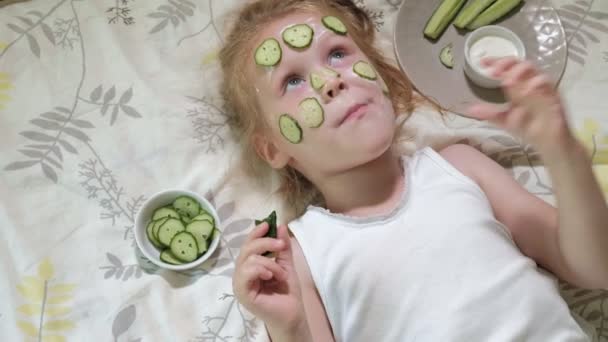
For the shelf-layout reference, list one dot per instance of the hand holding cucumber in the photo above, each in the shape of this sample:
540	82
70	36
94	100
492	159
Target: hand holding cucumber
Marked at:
268	288
535	112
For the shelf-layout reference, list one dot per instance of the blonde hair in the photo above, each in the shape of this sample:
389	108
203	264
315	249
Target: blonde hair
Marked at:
243	102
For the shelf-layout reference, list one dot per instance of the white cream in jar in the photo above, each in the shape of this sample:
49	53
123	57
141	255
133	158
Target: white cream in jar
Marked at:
490	46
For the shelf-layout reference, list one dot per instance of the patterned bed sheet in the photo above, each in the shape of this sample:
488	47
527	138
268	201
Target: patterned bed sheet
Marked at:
105	102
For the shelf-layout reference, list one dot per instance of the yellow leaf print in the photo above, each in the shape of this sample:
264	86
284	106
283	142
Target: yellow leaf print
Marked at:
53	338
42	297
28	328
45	270
5	86
210	57
59	325
594	140
2	46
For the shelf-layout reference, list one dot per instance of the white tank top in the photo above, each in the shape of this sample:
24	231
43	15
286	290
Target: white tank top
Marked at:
439	267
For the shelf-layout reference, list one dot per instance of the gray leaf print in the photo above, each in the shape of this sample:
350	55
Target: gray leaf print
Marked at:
82	123
123	321
109	96
523	178
34	47
130	111
77	134
54	116
126	96
67	146
20	165
114	260
25	20
46	124
16	28
48	32
49	172
37	136
579	23
237	226
96	94
225	211
114	115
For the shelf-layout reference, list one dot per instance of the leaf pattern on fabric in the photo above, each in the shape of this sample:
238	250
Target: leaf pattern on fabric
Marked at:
5	87
174	12
43	316
582	26
123	321
120	13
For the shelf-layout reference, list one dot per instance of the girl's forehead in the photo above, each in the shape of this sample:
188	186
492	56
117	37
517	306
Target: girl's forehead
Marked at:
275	28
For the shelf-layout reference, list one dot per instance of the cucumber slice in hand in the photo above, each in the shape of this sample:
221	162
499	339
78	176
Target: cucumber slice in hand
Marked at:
334	24
183	246
290	129
187	207
298	36
312	112
365	70
446	57
498	9
272	228
268	53
169	229
441	18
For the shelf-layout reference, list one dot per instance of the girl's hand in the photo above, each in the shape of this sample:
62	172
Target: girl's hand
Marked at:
269	288
535	111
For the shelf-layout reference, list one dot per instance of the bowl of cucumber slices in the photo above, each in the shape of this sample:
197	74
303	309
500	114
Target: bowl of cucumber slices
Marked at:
177	229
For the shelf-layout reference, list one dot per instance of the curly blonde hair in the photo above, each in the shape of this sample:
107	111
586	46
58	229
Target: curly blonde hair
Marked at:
243	102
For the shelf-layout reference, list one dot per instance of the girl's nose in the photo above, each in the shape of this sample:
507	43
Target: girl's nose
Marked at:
332	88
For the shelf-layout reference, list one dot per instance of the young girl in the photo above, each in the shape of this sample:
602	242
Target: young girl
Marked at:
433	246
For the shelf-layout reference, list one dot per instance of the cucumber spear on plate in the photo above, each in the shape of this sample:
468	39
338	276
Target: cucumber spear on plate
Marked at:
442	17
498	9
470	11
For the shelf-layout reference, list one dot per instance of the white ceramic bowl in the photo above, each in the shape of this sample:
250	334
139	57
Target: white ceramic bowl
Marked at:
474	72
144	215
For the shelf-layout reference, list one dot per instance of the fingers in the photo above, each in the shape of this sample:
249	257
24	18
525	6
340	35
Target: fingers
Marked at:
260	246
486	111
518	73
257	232
285	255
501	65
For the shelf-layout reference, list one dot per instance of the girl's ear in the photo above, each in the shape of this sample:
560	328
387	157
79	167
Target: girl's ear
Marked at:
269	151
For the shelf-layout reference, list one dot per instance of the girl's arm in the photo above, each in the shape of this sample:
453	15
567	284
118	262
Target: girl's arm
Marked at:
573	240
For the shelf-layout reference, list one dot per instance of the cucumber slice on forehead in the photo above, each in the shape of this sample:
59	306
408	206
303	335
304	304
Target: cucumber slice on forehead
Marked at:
334	24
365	70
298	36
290	129
183	246
312	112
268	53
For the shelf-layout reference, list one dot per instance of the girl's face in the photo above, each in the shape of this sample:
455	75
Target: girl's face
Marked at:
346	119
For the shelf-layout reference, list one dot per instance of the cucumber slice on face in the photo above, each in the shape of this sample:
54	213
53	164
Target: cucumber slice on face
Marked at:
168	257
169	229
164	212
156	227
312	112
268	53
183	246
441	18
290	129
298	36
365	70
498	9
150	235
201	230
334	24
204	217
186	206
384	87
316	81
446	57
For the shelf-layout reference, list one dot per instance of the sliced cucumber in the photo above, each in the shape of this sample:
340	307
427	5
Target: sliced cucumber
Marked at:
312	112
205	216
316	81
290	129
201	230
446	57
334	24
272	228
470	11
168	257
157	225
186	206
164	212
298	36
441	18
365	70
330	72
499	9
151	237
183	246
169	229
268	53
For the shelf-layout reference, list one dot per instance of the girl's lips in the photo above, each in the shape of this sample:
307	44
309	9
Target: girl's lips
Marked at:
354	112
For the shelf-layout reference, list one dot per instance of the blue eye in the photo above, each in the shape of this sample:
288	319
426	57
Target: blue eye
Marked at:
292	82
339	54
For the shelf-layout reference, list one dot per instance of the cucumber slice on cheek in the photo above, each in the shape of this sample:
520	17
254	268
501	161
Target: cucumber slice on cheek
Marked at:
290	129
365	70
298	36
312	112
